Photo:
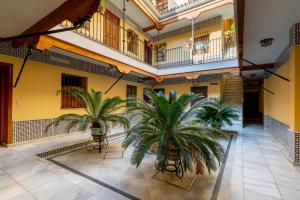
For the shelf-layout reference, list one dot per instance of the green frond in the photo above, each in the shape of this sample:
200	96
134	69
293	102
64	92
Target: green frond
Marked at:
99	112
172	123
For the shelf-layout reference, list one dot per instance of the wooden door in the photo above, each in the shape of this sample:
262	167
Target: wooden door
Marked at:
111	30
5	103
200	90
147	52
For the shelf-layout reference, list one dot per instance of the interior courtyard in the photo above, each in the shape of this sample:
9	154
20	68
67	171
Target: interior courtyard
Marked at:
150	99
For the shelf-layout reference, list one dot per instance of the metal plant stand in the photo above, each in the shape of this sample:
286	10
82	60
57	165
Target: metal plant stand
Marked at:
173	164
97	142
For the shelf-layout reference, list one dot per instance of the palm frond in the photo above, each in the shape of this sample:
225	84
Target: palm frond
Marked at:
99	112
170	123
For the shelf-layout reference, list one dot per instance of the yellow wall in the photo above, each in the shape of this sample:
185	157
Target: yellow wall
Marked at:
214	31
179	46
37	96
213	90
277	105
295	88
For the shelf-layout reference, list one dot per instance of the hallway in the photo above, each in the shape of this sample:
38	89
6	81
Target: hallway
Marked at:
261	169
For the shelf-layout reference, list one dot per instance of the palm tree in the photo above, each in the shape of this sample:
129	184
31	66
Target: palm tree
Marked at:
168	122
216	113
99	113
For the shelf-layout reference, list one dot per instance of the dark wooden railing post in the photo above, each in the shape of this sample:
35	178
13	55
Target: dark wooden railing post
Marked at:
124	12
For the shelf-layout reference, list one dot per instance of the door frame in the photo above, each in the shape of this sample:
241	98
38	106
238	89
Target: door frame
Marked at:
203	88
6	103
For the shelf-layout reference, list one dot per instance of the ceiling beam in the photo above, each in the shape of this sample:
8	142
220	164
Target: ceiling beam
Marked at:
196	74
72	10
240	18
258	67
148	13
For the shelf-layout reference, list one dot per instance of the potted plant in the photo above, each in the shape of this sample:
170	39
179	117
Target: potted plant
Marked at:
216	113
230	33
168	123
98	113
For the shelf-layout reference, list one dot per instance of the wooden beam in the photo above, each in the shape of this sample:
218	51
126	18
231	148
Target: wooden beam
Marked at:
147	12
240	18
257	67
47	42
149	28
72	10
196	74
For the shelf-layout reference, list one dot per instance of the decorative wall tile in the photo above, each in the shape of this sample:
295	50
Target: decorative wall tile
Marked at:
289	139
47	57
35	129
73	63
295	34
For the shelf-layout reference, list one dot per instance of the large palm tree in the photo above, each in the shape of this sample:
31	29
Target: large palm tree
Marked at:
99	112
168	123
216	113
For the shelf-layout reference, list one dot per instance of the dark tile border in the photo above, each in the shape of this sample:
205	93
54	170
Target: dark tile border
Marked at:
216	190
71	148
112	188
129	196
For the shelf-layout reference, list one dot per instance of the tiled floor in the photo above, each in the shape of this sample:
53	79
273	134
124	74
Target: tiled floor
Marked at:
256	168
143	183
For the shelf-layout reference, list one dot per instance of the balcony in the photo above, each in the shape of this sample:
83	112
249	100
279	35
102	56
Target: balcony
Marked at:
215	50
165	8
206	51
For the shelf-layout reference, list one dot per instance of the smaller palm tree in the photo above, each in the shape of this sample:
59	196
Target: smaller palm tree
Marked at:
168	124
99	113
216	113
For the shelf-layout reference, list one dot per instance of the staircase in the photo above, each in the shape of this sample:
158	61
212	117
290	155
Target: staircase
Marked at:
233	94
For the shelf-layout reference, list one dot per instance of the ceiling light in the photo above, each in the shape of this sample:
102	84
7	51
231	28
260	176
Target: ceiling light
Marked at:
266	42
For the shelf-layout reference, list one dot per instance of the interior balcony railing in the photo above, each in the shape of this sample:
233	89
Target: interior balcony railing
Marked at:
214	50
106	30
164	8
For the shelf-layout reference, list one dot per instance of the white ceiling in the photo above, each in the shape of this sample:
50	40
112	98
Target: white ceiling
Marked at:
134	13
226	11
268	18
17	16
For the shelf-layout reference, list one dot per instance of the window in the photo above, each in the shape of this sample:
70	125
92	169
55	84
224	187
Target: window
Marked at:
159	90
131	91
161	52
162	5
71	82
202	42
200	90
132	41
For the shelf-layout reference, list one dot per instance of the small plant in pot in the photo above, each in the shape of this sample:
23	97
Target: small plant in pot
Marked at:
168	123
99	113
